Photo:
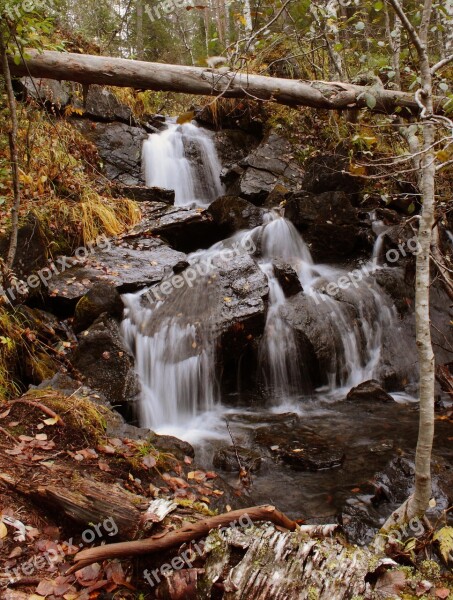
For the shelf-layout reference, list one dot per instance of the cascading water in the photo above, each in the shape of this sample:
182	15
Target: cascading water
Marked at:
167	164
174	341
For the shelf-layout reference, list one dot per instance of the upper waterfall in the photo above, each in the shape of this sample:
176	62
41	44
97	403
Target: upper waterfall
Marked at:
183	158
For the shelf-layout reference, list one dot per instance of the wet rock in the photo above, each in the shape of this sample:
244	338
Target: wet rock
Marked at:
278	195
233	117
102	105
370	391
395	483
187	229
300	447
311	458
270	164
318	340
332	227
231	214
393	281
120	147
226	459
54	94
227	304
287	278
233	145
31	253
153	123
105	363
101	298
141	193
128	265
168	443
329	173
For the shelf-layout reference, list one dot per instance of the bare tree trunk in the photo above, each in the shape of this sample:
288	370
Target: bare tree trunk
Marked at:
12	135
419	501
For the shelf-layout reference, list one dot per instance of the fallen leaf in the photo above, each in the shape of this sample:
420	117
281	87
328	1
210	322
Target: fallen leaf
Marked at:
149	461
3	530
5	414
104	466
442	593
52	421
41	436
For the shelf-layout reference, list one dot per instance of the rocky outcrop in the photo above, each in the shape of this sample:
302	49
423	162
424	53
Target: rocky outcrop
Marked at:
102	105
233	145
31	253
226	459
128	265
370	391
299	446
287	278
186	229
271	163
119	146
101	298
53	94
330	224
231	214
141	193
105	363
329	173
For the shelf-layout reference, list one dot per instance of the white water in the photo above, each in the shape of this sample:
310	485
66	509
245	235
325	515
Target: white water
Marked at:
166	164
174	342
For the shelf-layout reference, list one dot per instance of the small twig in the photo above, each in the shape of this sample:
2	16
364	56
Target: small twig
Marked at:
45	409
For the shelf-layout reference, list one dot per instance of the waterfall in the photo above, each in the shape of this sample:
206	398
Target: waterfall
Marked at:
167	164
175	361
175	340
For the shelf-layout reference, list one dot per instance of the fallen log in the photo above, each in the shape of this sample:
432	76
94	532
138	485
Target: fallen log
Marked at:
187	533
103	70
90	502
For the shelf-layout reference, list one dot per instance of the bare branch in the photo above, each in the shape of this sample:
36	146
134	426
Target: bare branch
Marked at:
441	64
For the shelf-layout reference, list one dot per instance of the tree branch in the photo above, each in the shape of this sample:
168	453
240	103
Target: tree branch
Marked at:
187	533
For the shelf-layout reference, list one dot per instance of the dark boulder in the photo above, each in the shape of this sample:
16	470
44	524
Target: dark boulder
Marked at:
332	227
31	253
226	459
299	446
141	193
287	278
119	146
329	173
233	145
102	105
147	260
271	163
278	195
231	214
101	298
186	229
55	95
368	390
168	443
104	362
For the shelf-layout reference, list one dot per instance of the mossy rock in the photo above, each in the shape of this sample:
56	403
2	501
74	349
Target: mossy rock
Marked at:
101	298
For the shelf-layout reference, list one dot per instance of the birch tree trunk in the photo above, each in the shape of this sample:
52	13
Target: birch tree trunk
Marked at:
418	503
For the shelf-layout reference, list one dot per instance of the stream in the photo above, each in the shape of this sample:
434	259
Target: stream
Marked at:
175	342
